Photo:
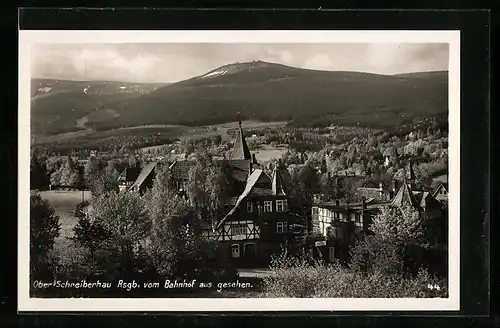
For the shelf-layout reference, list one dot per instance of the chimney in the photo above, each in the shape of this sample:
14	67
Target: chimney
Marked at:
363	202
337	203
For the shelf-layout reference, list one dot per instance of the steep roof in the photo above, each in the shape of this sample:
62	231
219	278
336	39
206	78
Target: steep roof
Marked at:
239	169
129	174
409	174
443	185
278	187
376	193
425	199
145	172
180	169
240	149
405	197
286	180
253	179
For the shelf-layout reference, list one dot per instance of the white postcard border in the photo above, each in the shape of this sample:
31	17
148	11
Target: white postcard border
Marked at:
27	38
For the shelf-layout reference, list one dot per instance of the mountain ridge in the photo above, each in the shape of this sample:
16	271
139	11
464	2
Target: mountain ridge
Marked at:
269	91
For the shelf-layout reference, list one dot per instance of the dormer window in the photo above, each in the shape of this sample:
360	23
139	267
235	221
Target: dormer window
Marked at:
280	206
268	206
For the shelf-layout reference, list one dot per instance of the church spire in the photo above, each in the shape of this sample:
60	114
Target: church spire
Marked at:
240	150
410	175
404	196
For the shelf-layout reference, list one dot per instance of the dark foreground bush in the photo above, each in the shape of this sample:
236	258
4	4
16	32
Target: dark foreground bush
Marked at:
295	277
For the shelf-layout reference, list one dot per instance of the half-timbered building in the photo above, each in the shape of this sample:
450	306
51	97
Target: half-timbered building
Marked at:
259	223
341	224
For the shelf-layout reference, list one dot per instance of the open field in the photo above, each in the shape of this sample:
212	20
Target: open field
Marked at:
64	203
442	178
163	129
265	153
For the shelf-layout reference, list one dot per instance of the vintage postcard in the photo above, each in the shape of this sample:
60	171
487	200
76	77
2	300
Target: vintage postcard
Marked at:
239	170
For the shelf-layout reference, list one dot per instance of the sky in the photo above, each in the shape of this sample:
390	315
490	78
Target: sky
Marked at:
167	62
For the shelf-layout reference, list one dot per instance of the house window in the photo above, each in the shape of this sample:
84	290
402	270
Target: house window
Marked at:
285	205
249	207
249	251
238	229
279	206
280	227
315	210
268	206
235	250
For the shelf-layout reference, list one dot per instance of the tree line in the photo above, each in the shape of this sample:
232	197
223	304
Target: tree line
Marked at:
126	235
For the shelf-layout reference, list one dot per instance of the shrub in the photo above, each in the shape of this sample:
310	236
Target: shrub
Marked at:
298	278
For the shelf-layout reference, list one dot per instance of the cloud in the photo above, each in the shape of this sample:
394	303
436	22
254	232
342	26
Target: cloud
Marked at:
320	61
94	63
397	58
287	57
174	62
138	66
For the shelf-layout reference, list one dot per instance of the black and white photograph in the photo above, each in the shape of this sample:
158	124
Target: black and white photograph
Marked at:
201	170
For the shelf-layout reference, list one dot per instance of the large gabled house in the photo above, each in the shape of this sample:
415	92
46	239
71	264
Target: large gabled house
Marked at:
260	221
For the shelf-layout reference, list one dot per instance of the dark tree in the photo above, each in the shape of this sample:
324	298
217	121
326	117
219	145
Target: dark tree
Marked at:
91	170
207	188
105	181
306	183
44	228
90	234
39	178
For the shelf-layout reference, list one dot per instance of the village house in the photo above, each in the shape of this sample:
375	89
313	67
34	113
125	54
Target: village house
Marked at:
144	180
441	192
128	177
341	224
423	202
260	222
390	156
382	193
